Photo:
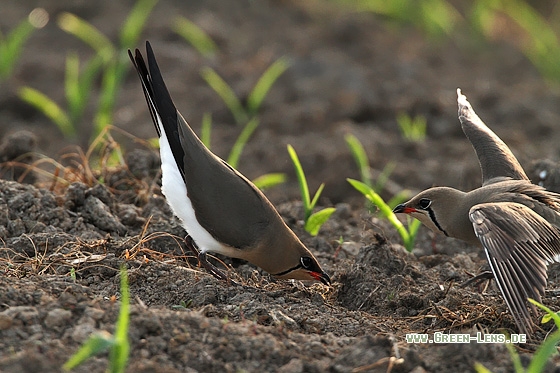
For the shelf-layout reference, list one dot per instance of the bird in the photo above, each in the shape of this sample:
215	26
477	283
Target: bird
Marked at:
514	221
221	210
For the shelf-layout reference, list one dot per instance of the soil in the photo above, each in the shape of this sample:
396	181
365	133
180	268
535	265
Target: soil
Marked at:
63	242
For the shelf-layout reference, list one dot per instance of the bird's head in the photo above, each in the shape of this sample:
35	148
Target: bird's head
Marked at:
434	207
307	268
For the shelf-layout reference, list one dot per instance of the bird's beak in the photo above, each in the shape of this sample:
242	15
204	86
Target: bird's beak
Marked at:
323	277
402	208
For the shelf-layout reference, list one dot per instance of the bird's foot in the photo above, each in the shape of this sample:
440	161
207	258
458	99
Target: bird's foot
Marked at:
203	261
479	279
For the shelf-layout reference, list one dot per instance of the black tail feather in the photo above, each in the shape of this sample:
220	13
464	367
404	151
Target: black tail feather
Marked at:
159	101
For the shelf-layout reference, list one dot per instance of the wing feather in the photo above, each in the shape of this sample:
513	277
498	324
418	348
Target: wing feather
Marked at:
519	244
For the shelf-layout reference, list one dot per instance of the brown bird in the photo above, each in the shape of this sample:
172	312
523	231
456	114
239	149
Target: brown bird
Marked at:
221	210
515	221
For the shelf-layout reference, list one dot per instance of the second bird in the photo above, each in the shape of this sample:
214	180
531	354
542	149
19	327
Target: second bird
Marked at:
515	221
221	210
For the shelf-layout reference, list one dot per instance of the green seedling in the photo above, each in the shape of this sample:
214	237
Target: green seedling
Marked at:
313	221
195	36
117	344
182	305
543	353
269	180
241	113
241	141
412	129
77	87
115	58
360	156
12	44
407	235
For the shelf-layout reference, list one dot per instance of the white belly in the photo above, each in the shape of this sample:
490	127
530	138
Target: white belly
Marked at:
175	191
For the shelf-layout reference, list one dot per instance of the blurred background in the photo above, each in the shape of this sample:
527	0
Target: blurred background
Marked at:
327	77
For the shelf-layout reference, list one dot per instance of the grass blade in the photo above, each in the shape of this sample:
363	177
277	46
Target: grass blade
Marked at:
316	220
268	181
407	236
72	85
96	344
316	196
77	86
134	24
360	157
10	48
195	36
121	348
112	77
265	82
479	368
237	149
225	92
86	32
544	352
49	108
301	180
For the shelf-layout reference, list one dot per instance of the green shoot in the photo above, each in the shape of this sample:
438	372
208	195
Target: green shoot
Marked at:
114	58
226	93
49	108
313	221
87	33
269	180
550	315
12	44
195	36
543	353
118	344
548	348
412	129
265	82
235	153
78	86
255	99
407	235
360	156
182	305
77	89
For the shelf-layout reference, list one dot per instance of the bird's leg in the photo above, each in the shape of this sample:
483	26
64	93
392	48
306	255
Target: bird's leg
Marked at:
478	279
203	261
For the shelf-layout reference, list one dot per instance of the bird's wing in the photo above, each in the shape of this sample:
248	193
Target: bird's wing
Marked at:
225	202
497	162
519	244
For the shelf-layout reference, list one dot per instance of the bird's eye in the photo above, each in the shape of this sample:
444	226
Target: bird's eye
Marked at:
306	262
424	203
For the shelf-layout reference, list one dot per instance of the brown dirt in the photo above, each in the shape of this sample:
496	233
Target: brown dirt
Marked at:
350	73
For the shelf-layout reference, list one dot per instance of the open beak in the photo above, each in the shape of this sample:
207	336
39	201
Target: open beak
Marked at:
402	208
323	277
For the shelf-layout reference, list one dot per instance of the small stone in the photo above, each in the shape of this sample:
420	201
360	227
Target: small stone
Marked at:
57	317
294	366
